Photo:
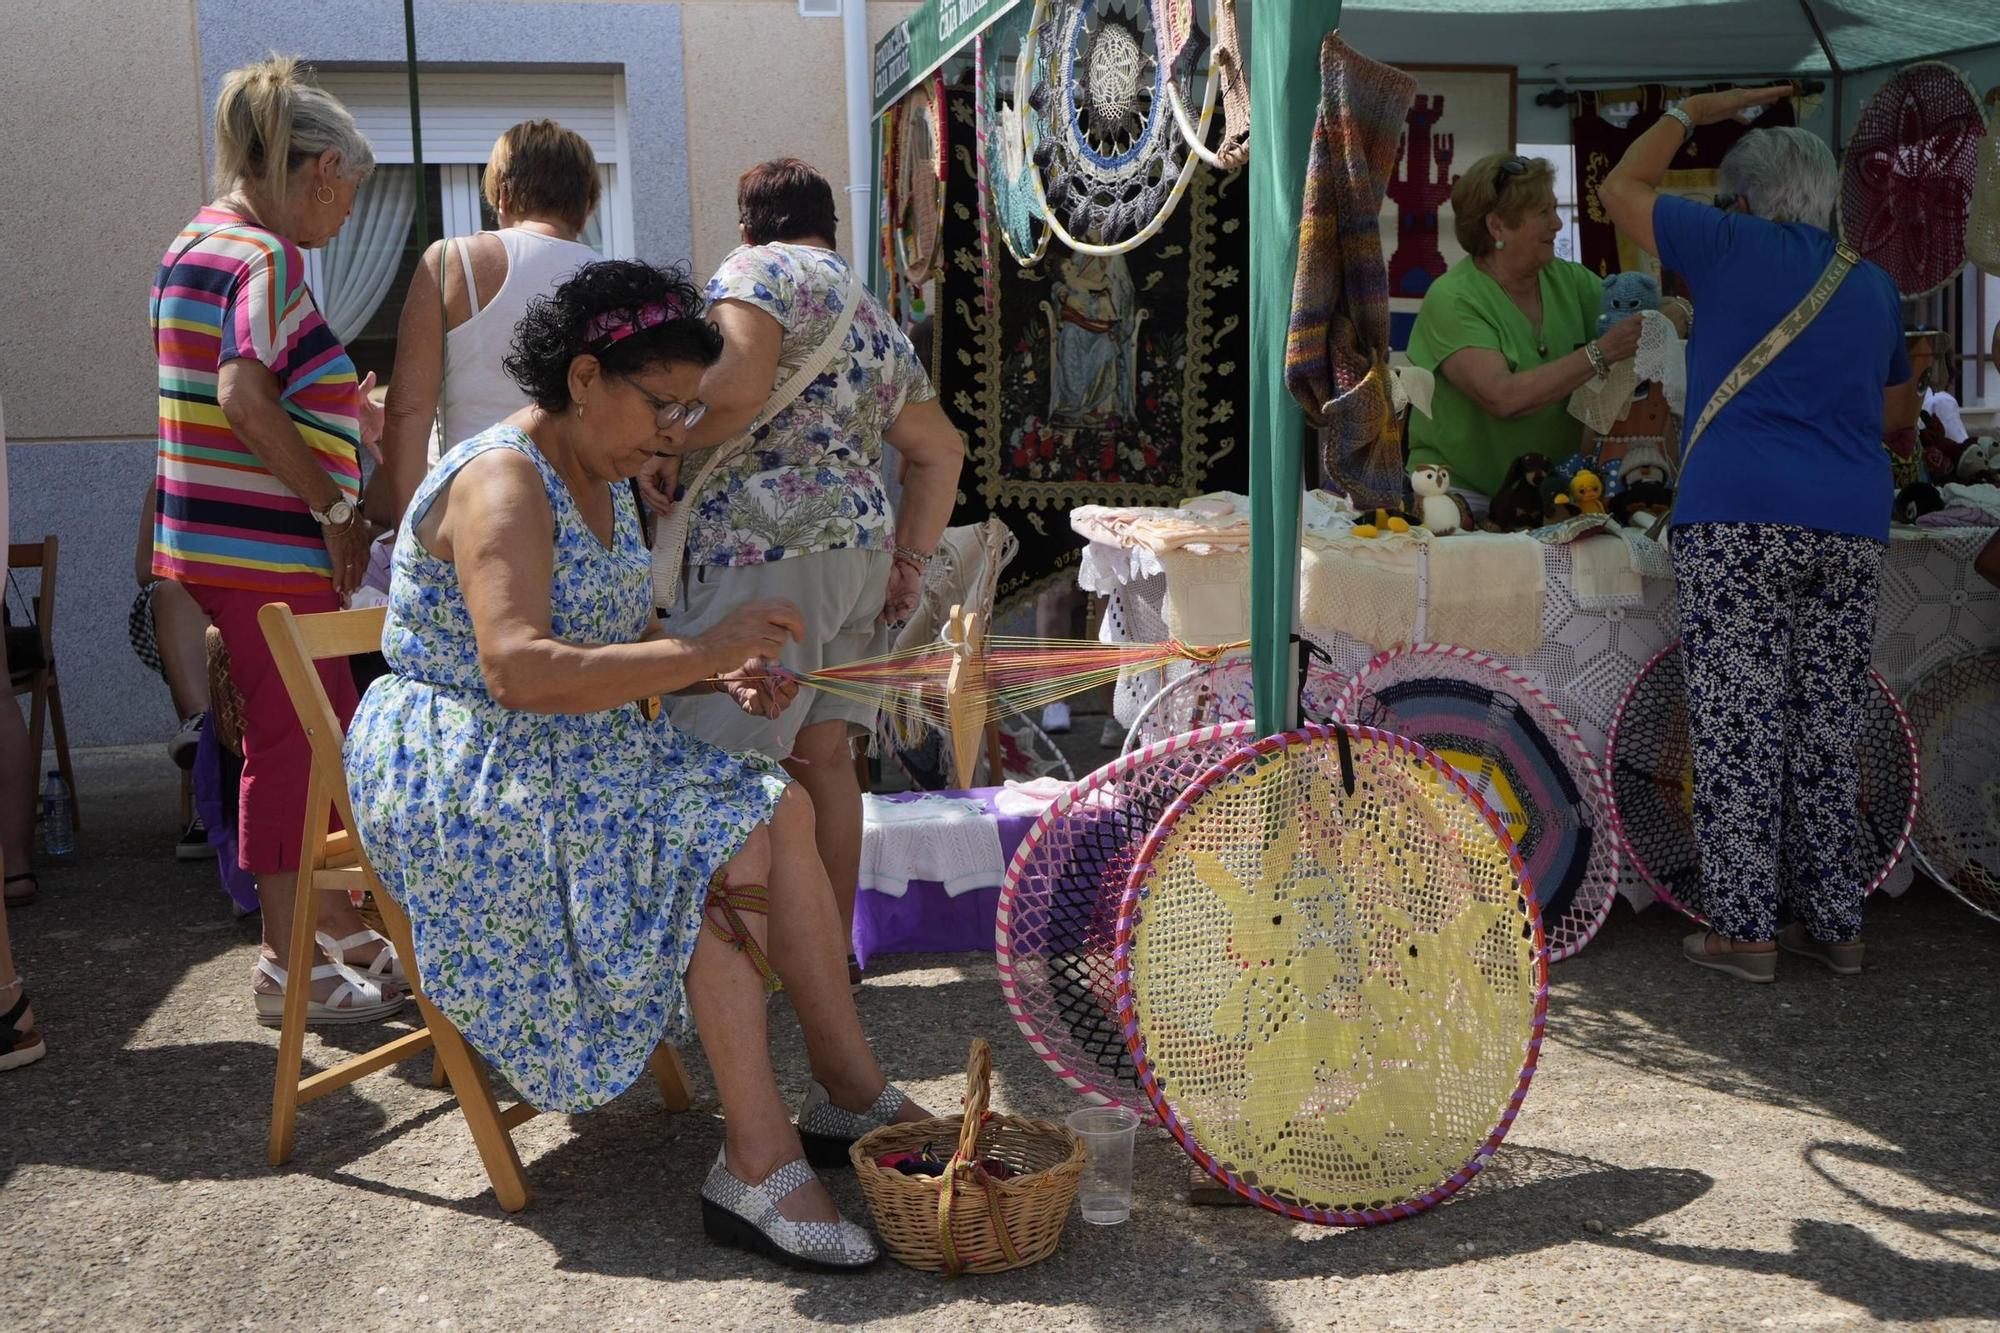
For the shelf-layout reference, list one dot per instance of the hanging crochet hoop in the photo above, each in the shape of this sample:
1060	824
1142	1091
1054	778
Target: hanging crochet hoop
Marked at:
1005	166
1521	754
1649	760
1182	47
918	217
1982	235
1956	714
1059	901
1906	178
1111	164
1221	692
1334	994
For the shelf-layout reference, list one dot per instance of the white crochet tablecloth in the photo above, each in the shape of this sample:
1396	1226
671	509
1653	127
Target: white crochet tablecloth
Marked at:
1934	608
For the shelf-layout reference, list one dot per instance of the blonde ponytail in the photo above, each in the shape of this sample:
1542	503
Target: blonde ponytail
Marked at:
271	118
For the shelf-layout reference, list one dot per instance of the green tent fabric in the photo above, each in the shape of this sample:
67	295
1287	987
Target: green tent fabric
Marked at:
1284	101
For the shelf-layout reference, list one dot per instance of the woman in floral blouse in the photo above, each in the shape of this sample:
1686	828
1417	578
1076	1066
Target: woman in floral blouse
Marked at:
558	851
802	513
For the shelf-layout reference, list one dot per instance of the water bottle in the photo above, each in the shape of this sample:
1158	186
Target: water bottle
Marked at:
58	837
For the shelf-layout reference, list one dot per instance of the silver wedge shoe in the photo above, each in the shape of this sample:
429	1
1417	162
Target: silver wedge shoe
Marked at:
747	1217
828	1132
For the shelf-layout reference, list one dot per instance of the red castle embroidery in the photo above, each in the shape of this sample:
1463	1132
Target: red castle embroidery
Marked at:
1419	193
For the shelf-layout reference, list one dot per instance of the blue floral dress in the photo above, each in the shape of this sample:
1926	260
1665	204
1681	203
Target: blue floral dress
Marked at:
554	867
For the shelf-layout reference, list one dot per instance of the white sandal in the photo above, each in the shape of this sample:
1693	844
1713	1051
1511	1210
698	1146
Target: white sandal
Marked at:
386	967
357	1000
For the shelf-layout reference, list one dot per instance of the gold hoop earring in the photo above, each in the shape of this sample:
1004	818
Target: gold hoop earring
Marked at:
324	194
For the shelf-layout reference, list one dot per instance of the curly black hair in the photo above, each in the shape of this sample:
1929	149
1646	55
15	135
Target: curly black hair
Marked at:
552	332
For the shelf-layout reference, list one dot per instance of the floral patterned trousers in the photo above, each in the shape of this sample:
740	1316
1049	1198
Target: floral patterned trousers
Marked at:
1777	625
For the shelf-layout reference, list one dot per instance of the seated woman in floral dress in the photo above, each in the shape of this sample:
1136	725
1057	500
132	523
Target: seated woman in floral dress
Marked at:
558	852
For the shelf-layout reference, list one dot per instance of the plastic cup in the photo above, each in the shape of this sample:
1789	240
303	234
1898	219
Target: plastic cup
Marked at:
1107	1133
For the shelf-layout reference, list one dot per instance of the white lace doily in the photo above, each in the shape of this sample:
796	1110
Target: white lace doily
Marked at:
1661	359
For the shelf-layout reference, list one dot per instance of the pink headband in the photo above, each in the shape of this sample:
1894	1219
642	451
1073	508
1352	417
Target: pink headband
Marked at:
614	326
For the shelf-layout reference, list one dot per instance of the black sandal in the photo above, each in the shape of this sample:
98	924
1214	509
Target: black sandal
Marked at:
19	1046
21	900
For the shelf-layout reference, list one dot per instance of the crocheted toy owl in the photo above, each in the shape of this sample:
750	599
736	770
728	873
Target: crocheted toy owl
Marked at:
1626	294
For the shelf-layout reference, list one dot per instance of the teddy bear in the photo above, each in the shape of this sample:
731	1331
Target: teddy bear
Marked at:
1980	462
1517	505
1625	295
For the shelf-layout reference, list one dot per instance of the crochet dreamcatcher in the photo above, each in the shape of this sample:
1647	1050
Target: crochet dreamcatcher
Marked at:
1956	713
1006	64
1182	45
1222	692
1906	183
1059	902
1650	762
1111	163
916	204
1332	976
1524	758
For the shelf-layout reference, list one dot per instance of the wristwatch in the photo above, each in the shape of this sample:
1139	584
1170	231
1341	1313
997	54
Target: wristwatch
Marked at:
336	515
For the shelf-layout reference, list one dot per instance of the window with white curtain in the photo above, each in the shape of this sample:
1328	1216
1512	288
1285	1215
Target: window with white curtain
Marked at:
362	276
1560	156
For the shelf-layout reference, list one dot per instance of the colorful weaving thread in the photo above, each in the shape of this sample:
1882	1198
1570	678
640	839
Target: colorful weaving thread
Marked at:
1332	976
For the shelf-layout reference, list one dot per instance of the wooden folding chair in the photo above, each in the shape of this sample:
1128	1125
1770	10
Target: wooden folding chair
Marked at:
333	862
31	658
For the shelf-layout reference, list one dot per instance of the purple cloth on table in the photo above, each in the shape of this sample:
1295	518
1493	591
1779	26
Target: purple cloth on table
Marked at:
219	818
927	919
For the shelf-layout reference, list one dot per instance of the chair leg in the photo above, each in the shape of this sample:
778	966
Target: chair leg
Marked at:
671	1075
62	751
292	1030
482	1113
38	712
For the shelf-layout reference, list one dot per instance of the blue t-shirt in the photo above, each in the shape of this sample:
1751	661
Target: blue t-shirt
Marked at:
1802	442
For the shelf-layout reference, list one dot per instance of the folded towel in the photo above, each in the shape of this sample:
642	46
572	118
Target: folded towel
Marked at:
1602	572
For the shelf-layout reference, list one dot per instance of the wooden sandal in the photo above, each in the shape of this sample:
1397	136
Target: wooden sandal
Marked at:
22	899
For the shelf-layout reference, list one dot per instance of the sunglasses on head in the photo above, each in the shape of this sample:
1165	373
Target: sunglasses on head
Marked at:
1508	169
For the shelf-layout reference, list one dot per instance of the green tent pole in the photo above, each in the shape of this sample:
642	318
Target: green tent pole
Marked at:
416	127
1285	37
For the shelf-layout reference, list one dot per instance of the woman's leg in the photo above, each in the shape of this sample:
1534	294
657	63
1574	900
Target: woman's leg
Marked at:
825	768
1833	635
180	631
17	790
1736	648
277	764
728	999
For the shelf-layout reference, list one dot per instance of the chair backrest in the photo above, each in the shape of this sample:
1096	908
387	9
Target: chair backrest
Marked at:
42	605
298	643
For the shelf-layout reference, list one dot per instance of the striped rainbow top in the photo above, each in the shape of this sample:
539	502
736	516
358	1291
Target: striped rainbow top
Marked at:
229	289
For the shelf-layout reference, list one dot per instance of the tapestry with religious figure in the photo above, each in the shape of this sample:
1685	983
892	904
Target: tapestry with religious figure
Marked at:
1459	115
1092	379
1604	124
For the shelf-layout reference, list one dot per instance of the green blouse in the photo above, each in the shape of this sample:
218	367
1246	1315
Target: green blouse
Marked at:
1465	308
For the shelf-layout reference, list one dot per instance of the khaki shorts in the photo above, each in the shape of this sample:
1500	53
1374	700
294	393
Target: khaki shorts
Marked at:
839	594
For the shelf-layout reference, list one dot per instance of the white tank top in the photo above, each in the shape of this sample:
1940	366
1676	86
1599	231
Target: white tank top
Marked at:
477	392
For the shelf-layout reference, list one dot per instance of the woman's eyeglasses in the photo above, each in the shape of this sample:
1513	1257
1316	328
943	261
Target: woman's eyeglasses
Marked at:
1508	169
667	413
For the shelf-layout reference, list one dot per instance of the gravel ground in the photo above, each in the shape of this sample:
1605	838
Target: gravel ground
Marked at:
1694	1152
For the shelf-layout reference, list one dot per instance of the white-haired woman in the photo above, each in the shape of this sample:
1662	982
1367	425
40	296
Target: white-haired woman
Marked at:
1779	527
258	477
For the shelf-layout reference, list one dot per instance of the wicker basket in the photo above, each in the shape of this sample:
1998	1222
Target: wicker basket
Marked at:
965	1221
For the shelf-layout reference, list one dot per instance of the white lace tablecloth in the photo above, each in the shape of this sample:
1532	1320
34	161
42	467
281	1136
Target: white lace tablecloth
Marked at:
1934	608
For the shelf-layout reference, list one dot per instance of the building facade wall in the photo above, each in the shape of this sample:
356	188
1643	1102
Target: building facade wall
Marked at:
107	126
